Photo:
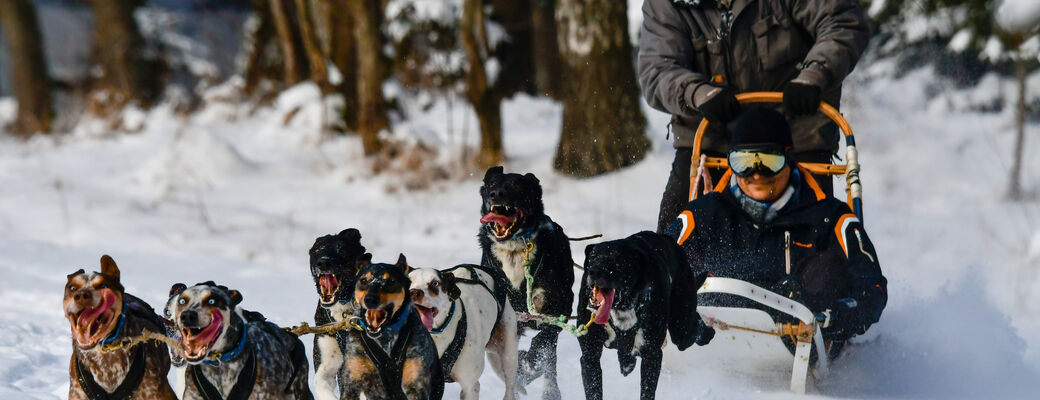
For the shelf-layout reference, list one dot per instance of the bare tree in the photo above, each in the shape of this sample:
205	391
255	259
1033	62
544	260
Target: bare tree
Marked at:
603	125
28	67
546	50
285	20
343	54
312	46
129	72
372	69
473	35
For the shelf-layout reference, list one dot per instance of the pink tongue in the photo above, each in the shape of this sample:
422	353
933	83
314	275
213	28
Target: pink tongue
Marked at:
427	319
606	298
328	281
492	217
93	313
207	335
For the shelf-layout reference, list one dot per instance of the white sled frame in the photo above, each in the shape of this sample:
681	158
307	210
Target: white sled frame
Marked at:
803	345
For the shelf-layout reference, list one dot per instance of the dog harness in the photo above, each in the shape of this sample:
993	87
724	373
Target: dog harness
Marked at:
132	380
451	354
391	366
243	386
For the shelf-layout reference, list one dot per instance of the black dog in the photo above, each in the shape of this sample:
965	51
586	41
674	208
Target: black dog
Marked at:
333	262
514	229
392	356
639	288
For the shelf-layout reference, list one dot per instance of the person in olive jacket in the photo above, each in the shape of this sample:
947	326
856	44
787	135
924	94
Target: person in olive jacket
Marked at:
768	223
696	55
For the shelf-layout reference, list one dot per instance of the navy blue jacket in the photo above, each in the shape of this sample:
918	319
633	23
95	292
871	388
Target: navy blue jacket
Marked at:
723	240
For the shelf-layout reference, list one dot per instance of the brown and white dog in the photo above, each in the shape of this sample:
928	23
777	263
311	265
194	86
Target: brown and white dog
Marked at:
100	312
232	353
467	315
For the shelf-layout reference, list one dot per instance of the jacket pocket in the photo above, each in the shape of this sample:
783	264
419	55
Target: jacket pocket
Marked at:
778	42
701	58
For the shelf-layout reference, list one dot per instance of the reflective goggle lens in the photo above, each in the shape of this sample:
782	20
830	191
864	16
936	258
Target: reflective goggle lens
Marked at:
747	162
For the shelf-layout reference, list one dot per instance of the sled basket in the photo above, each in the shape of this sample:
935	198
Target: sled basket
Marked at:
853	189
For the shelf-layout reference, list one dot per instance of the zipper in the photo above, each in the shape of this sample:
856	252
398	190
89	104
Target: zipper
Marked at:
787	251
722	35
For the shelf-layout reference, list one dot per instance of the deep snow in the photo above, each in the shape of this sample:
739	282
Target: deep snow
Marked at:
239	197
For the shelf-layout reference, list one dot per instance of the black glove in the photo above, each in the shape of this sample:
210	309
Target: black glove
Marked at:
801	99
845	320
721	107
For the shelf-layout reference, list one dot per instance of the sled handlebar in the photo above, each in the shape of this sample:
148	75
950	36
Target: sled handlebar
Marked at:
853	188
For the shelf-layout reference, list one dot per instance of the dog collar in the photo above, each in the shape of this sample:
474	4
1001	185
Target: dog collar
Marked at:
451	313
394	326
119	327
233	353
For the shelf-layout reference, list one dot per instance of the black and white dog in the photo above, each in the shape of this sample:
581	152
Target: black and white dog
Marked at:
333	264
233	354
514	231
468	313
638	288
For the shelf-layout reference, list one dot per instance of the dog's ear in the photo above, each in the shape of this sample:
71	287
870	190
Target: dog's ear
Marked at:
493	172
235	296
207	283
351	235
363	262
533	179
79	271
450	286
109	268
534	185
402	264
588	253
177	288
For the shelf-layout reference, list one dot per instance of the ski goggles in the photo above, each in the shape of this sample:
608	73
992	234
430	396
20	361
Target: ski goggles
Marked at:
747	162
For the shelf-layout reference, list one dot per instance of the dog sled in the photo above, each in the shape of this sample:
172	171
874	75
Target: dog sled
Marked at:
755	327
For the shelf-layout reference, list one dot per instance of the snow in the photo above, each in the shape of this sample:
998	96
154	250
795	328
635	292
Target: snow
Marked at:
1018	15
237	195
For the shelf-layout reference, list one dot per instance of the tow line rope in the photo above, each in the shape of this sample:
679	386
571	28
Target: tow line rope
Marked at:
558	321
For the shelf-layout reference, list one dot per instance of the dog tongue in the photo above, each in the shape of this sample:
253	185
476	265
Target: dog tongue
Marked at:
88	315
328	283
606	298
492	217
427	318
207	335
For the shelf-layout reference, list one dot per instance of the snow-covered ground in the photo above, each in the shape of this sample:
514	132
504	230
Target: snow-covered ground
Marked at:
238	198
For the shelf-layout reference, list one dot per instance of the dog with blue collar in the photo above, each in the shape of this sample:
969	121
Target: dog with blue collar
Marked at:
233	354
392	356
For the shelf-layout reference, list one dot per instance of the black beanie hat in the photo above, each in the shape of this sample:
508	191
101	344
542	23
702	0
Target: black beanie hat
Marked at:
761	127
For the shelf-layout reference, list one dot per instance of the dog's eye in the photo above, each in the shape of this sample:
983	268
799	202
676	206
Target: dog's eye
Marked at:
363	281
435	284
182	301
72	288
211	302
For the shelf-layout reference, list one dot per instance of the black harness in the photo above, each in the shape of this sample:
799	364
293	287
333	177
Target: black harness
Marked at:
451	354
243	385
391	365
125	390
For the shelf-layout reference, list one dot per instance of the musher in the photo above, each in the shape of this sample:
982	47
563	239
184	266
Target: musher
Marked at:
766	205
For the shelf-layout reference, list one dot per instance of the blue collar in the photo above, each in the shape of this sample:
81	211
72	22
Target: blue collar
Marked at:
119	328
451	313
234	352
394	326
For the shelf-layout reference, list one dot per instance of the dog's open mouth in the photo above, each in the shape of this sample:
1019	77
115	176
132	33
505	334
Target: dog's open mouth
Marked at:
376	318
197	341
427	314
329	285
600	302
503	220
91	325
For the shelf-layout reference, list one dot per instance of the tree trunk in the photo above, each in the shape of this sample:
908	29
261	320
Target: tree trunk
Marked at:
283	16
473	36
546	50
120	49
255	69
1015	190
28	66
312	46
343	53
372	69
603	126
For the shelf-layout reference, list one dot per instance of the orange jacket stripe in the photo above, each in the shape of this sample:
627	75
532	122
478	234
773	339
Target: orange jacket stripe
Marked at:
840	228
687	225
812	183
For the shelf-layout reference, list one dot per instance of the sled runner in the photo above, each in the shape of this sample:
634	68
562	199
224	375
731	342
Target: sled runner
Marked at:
755	326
